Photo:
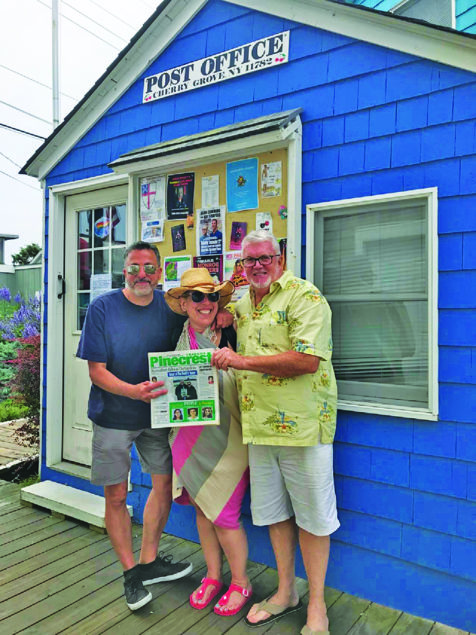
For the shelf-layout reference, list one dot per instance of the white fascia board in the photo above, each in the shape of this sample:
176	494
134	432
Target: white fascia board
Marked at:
159	35
452	49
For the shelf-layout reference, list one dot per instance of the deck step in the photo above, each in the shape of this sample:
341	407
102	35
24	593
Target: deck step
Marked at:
68	501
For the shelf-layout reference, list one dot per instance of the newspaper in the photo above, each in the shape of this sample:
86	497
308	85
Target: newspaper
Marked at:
192	385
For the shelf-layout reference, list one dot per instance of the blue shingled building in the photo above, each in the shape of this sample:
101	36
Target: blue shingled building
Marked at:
369	119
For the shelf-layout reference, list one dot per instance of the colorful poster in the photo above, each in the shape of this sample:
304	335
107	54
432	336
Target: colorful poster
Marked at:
271	179
178	237
238	232
180	189
210	191
242	185
264	221
214	264
236	273
210	230
174	266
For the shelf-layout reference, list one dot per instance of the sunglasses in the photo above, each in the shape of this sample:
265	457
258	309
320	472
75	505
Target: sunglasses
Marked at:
199	296
134	270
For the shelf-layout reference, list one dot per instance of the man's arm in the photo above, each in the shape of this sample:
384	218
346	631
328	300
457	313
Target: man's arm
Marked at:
103	378
288	364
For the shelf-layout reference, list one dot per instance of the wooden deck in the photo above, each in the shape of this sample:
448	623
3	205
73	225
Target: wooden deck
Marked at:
58	576
10	450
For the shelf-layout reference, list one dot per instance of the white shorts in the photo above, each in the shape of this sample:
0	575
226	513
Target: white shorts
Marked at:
294	481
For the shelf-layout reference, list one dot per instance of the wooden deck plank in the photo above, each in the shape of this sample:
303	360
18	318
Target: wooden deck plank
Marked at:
71	532
441	629
51	596
345	612
106	608
411	625
24	515
83	538
376	620
26	531
66	578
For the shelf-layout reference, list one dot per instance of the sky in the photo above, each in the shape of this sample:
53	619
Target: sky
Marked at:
92	33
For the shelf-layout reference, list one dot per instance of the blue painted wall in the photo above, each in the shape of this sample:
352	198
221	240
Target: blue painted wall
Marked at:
374	121
465	11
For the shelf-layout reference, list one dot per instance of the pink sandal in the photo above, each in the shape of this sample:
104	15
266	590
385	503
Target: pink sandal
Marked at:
206	582
221	607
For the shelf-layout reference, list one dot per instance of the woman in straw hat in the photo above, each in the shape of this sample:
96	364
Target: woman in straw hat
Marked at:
210	463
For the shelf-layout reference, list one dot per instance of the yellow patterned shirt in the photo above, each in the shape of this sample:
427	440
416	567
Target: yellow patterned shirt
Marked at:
295	411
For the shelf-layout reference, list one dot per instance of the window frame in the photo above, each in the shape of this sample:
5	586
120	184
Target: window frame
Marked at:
429	197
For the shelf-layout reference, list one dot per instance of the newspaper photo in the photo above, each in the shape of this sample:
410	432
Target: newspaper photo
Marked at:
192	385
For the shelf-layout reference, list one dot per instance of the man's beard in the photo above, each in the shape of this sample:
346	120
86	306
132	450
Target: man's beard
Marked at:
140	291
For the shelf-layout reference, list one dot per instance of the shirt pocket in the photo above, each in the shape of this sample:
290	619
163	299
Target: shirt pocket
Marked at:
275	337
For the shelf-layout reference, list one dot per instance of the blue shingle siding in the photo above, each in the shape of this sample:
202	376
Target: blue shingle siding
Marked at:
375	121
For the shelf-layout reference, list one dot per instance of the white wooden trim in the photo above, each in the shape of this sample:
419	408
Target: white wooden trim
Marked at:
24	267
339	206
159	35
55	324
7	269
42	334
228	150
376	28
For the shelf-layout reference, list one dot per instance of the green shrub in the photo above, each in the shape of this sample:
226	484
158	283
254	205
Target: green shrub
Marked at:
10	410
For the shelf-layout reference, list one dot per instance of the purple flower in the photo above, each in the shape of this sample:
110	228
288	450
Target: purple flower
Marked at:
5	294
30	330
17	298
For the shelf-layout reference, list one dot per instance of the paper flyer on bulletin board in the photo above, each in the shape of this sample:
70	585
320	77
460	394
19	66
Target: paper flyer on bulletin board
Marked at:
210	231
174	266
242	185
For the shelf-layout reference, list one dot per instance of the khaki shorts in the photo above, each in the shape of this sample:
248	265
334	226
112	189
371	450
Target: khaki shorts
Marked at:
294	481
112	453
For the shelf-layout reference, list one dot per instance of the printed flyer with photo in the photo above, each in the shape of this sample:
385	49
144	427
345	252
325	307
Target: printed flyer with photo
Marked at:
210	230
180	188
192	385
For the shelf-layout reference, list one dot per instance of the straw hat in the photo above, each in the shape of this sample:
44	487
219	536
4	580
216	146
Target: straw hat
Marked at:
198	279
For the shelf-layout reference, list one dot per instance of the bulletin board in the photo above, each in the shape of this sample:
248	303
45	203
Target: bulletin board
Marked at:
265	174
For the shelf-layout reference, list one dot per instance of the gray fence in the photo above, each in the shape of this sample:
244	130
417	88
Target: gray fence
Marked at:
26	280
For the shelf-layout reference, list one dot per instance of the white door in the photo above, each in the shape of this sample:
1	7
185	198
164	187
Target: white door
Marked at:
94	254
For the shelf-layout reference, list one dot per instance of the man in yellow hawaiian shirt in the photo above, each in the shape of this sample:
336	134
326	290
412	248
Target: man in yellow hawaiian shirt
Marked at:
288	399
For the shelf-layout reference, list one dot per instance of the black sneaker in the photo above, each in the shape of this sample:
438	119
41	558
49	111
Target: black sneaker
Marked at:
163	569
136	595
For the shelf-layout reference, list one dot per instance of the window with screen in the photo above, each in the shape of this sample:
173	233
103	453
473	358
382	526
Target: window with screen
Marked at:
373	261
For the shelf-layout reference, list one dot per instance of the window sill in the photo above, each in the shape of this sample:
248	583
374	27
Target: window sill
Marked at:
388	411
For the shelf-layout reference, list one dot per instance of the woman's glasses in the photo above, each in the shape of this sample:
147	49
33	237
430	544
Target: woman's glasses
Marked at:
134	270
199	296
249	262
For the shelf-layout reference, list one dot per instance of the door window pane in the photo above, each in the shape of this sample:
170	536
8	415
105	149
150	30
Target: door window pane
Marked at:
117	256
84	270
118	223
101	261
83	303
101	227
84	229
